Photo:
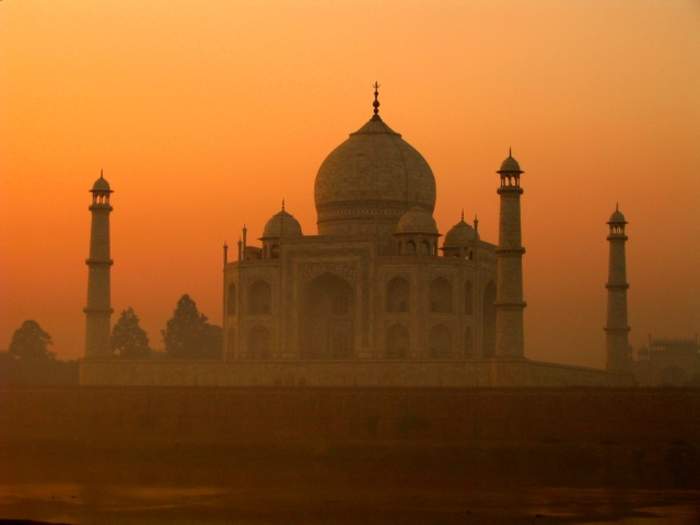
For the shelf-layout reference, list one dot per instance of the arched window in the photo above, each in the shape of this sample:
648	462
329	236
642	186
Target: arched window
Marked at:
410	248
397	342
489	320
259	343
397	295
468	342
231	300
440	342
468	298
441	296
327	319
260	298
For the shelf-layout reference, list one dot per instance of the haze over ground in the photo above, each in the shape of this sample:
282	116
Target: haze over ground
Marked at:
205	115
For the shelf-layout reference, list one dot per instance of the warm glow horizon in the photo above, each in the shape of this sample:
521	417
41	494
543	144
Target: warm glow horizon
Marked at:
204	115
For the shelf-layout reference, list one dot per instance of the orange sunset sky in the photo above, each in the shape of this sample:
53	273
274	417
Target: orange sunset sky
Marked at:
204	115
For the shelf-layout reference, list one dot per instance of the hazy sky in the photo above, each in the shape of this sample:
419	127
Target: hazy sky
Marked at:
204	115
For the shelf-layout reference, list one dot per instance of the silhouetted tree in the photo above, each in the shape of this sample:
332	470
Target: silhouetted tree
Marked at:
189	334
128	338
30	342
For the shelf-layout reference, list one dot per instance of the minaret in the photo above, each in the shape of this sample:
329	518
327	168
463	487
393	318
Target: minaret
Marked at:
616	329
98	310
509	265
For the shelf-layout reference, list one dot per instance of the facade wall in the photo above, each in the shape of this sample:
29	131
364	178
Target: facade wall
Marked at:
356	262
466	373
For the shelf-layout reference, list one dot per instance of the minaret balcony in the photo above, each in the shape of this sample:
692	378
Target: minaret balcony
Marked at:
99	262
510	189
617	286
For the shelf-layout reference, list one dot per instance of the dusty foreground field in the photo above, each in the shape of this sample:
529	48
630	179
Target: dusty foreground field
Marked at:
256	487
269	456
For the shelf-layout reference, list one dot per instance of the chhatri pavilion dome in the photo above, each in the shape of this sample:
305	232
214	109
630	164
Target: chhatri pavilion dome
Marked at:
281	224
101	184
461	235
369	181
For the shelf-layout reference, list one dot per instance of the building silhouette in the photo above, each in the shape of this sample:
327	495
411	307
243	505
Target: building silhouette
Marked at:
378	296
373	284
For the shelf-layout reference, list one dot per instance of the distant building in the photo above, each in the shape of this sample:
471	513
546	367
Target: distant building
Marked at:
668	362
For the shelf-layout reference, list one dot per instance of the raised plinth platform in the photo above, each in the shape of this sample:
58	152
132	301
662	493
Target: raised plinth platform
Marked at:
572	436
360	373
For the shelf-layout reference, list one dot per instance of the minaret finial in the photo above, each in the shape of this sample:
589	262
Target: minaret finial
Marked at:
462	214
102	173
617	206
282	204
476	223
510	151
375	104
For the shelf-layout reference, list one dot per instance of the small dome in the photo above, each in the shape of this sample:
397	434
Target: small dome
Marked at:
510	165
417	220
101	185
461	234
282	224
617	217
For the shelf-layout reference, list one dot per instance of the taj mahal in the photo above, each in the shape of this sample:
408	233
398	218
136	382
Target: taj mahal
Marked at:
378	297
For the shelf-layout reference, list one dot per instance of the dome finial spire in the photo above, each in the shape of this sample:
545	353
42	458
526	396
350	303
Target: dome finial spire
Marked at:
462	214
282	204
375	104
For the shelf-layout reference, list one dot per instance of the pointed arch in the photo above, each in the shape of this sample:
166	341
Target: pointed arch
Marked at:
327	320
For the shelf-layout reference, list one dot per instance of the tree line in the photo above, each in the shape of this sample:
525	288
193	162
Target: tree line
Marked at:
188	334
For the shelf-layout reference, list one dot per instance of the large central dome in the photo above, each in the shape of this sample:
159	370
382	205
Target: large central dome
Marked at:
368	182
